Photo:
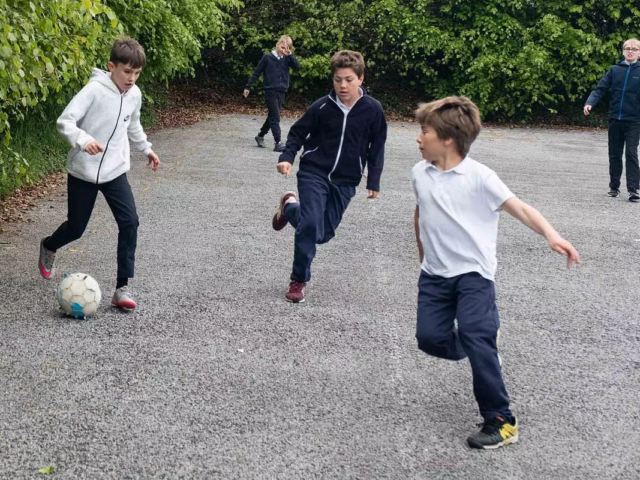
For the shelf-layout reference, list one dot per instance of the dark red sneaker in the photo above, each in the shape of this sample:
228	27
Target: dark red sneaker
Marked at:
279	221
296	292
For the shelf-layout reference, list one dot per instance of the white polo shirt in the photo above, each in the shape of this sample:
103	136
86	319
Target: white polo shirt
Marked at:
459	211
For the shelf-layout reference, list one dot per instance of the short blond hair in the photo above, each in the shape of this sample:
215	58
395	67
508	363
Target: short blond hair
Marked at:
634	41
457	118
287	40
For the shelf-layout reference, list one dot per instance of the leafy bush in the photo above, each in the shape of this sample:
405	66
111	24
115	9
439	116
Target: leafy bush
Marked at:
515	58
48	47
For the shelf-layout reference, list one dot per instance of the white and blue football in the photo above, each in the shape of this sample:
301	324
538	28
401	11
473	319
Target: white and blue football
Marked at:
79	295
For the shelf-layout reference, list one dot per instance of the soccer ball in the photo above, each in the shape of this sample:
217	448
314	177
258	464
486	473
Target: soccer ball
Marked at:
79	295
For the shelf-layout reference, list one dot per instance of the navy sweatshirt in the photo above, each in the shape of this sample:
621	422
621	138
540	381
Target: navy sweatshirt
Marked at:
276	72
337	146
624	82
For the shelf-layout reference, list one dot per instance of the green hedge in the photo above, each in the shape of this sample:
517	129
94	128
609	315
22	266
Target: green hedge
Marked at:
515	58
48	47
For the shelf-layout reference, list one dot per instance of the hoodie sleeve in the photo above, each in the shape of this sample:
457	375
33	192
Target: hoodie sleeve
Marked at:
375	155
135	131
256	73
68	122
601	89
298	134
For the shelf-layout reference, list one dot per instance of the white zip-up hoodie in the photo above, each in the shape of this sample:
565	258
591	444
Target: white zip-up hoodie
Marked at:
99	112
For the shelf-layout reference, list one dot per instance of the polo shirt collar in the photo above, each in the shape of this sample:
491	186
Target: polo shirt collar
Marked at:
461	168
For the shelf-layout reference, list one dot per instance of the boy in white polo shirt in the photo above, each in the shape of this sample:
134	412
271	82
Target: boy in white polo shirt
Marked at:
456	225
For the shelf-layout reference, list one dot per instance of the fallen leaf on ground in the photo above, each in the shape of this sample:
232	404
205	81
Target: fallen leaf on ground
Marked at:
47	470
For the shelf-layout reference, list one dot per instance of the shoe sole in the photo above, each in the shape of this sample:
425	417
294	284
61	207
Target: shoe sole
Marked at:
294	301
507	441
124	305
280	210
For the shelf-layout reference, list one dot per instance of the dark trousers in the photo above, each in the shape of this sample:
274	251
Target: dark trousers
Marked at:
315	218
275	101
623	136
471	299
81	198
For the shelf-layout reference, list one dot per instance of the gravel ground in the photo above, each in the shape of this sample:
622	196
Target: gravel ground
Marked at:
216	376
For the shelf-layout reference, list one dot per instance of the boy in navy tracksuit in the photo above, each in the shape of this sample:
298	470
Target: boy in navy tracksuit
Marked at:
341	134
623	80
275	67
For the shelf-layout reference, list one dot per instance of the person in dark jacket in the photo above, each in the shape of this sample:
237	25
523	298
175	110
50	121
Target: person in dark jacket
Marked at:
342	133
275	68
623	80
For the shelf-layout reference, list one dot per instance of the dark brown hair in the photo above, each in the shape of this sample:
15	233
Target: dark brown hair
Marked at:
452	117
348	59
128	51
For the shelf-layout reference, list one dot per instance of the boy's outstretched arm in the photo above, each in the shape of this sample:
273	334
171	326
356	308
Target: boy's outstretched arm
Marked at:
536	222
416	226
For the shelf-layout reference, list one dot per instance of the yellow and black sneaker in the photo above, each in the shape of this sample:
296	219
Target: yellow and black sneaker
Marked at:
495	433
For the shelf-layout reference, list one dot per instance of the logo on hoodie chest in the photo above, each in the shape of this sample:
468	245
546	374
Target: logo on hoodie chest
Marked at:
126	119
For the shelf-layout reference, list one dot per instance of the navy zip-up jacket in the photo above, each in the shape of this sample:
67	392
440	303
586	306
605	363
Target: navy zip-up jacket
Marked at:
276	72
624	82
338	146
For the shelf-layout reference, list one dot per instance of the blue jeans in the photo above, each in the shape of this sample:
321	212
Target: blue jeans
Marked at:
315	218
471	299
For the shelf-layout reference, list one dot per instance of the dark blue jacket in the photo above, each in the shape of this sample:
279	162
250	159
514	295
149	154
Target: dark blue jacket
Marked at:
276	72
624	82
338	146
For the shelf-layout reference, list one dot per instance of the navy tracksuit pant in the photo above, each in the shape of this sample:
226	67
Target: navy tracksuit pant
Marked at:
275	102
81	198
471	299
315	218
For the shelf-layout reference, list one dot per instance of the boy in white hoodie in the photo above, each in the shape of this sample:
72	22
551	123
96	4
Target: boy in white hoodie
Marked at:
99	122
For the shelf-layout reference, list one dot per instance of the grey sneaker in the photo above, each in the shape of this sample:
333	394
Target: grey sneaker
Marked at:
279	147
46	261
614	192
634	196
260	141
122	299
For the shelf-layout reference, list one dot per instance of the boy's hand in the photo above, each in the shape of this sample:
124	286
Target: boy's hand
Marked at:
154	161
563	247
245	94
372	194
284	168
587	109
287	51
93	148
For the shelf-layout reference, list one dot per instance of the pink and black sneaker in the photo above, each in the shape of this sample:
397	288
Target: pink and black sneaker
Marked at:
122	299
46	261
279	221
296	292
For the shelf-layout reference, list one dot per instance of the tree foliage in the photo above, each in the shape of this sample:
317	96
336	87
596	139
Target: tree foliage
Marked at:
48	47
513	57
